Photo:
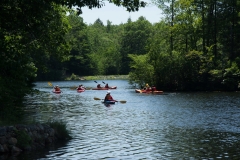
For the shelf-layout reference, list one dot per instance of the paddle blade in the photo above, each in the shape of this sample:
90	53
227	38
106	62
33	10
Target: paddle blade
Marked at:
95	98
122	101
50	84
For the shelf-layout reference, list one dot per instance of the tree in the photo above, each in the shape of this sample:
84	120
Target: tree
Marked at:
169	9
79	61
105	55
134	40
142	71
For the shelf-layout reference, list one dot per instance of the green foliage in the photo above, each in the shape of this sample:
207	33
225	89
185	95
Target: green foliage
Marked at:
78	60
23	139
134	41
128	4
105	57
142	71
60	129
73	77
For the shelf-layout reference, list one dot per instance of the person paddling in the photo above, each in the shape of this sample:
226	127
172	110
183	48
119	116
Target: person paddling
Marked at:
108	97
106	86
81	87
57	89
99	86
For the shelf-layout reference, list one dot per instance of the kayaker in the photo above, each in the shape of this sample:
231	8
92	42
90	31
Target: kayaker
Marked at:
80	87
108	97
57	88
99	86
106	86
148	88
147	85
153	88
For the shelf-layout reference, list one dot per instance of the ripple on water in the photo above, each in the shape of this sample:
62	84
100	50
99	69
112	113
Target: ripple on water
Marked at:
173	126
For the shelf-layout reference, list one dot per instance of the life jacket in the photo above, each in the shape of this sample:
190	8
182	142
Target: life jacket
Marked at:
57	89
80	88
108	97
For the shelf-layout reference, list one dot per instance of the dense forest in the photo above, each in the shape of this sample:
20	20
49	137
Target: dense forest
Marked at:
195	46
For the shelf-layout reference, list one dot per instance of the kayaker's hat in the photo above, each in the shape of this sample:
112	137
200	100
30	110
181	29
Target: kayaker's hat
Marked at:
56	85
108	92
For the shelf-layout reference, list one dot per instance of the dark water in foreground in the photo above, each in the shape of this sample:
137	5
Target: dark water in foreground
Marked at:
173	126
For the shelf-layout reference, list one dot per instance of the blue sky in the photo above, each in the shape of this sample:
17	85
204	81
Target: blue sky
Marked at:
118	15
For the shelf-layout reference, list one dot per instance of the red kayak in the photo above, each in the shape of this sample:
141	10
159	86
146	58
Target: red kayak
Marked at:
57	92
80	90
102	88
113	87
105	88
148	91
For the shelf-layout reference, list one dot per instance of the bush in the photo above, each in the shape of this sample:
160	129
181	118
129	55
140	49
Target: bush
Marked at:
60	130
24	140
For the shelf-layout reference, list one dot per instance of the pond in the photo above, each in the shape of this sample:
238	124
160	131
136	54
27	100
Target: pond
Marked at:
196	125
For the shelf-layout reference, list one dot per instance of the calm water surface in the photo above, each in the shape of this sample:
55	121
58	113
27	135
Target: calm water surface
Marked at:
172	126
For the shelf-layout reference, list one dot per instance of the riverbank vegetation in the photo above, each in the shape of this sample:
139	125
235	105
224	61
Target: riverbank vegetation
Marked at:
194	47
60	129
102	77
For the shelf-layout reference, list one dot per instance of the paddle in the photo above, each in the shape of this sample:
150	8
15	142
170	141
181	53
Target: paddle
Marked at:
50	84
122	101
103	82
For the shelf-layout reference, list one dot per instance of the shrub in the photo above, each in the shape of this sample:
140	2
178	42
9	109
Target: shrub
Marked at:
60	129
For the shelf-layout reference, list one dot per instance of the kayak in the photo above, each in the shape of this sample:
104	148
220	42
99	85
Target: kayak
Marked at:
113	87
57	92
102	88
148	91
109	102
80	90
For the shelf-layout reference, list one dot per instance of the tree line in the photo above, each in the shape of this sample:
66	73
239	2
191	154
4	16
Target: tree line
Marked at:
194	47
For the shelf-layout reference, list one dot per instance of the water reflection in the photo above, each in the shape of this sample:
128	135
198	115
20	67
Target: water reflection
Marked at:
172	126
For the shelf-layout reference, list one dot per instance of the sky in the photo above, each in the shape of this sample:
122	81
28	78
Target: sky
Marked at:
118	15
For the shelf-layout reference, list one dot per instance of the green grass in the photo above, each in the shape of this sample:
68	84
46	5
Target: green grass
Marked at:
97	77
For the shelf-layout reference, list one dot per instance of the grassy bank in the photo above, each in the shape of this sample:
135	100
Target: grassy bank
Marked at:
104	77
